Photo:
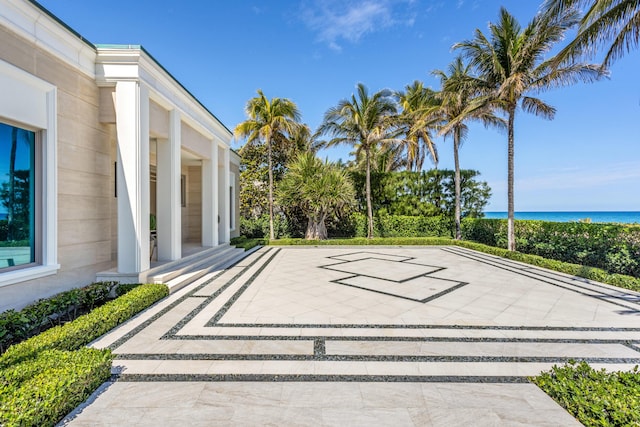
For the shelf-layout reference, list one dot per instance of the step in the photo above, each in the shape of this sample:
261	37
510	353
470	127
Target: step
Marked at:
211	264
165	272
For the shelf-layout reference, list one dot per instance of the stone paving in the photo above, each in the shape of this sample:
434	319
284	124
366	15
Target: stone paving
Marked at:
439	336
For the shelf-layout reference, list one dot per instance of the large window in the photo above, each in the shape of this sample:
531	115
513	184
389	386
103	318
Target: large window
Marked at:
17	197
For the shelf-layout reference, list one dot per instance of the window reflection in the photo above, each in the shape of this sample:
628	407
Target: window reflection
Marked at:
17	195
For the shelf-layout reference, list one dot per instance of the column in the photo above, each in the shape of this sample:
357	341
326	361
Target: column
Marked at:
132	128
209	198
227	195
169	226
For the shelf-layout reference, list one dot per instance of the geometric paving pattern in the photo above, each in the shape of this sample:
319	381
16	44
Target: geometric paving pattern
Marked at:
419	315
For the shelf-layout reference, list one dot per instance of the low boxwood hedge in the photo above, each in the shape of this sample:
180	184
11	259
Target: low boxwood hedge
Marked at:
246	243
595	398
85	329
17	326
586	272
40	391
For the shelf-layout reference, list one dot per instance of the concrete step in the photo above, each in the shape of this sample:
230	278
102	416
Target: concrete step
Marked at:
189	273
167	271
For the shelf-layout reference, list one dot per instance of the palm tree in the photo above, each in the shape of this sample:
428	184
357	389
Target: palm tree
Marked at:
461	100
320	189
268	121
365	122
513	62
418	107
614	24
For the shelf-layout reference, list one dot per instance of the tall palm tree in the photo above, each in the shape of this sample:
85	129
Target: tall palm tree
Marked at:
513	62
419	105
461	99
268	121
365	122
614	24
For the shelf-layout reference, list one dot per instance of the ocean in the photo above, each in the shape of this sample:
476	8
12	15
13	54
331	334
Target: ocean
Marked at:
620	217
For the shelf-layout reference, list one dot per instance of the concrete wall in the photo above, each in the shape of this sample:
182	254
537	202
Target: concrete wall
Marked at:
85	174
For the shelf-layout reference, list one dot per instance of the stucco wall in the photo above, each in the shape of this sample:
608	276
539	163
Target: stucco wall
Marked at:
85	174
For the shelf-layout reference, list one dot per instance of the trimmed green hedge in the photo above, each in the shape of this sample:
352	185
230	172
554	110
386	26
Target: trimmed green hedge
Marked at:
40	391
245	243
591	273
595	398
611	247
85	329
403	226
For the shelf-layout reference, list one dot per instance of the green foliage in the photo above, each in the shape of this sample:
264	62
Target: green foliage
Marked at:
611	247
259	227
363	241
42	390
426	193
123	288
46	313
595	398
245	243
319	189
403	226
84	329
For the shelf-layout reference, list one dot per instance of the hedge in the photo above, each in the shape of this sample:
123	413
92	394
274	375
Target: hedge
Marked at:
16	326
591	273
403	226
41	391
611	247
85	329
595	398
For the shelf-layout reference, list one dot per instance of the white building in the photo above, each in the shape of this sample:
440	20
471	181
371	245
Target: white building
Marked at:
96	143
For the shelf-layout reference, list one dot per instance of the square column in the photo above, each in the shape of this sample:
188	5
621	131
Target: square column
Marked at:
132	128
210	198
227	195
169	214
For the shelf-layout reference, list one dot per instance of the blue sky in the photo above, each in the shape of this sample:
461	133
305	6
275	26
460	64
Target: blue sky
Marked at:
314	52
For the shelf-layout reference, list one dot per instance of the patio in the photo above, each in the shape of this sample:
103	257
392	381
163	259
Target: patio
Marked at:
363	336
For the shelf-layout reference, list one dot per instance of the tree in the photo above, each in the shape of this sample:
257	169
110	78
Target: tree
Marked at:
320	189
461	100
614	24
268	121
365	122
419	105
513	63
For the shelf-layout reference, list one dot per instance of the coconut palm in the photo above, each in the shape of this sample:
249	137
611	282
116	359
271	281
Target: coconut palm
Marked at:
513	62
418	117
365	122
614	24
461	99
268	121
320	189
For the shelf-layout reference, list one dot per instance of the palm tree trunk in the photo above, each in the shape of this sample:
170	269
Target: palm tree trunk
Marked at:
511	234
271	234
368	191
456	179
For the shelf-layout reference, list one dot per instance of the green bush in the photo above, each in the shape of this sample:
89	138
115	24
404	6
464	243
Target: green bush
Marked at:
41	391
403	226
49	312
259	227
246	244
595	398
84	329
611	247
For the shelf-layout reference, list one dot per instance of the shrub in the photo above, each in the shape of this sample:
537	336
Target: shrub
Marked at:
595	398
84	329
246	244
611	247
259	227
43	390
403	226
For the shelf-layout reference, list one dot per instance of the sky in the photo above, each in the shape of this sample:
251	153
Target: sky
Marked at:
314	52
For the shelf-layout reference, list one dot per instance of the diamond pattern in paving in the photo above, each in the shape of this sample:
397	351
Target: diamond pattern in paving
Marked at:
378	315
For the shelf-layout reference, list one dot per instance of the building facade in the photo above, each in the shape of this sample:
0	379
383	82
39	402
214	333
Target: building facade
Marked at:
107	163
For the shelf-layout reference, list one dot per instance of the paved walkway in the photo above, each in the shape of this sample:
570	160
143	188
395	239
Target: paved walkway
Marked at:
439	336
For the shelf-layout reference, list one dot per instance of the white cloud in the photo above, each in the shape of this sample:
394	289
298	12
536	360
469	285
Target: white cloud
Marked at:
337	21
